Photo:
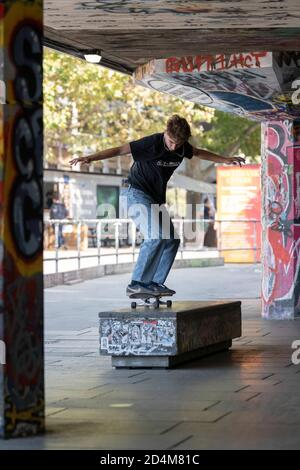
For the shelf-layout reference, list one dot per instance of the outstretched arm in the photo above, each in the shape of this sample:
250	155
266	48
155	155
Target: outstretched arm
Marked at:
214	157
103	155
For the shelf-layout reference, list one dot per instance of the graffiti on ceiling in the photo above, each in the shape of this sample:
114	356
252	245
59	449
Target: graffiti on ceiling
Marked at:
172	13
257	85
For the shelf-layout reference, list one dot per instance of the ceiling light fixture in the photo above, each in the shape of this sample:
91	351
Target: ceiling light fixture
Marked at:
93	56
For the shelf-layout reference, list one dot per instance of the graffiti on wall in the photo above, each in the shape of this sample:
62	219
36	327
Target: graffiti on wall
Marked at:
256	85
281	218
137	336
21	219
210	62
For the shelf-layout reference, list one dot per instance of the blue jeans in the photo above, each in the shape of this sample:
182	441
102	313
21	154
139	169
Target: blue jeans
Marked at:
61	238
161	242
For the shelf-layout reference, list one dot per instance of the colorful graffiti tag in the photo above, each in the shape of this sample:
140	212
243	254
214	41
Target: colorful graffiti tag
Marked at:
209	62
21	317
257	85
281	218
138	337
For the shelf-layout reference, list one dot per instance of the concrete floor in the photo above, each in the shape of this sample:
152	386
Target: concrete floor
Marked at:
247	398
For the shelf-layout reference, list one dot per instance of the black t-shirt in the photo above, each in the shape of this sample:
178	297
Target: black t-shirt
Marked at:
154	165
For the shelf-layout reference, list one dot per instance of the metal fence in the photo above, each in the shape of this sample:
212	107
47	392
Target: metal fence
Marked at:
254	234
116	235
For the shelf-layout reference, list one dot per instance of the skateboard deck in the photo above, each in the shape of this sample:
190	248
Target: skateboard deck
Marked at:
149	300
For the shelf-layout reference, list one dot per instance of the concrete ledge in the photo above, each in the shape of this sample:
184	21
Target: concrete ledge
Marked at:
137	362
163	337
93	272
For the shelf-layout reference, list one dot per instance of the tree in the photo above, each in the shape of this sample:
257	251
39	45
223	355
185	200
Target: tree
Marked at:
91	107
230	135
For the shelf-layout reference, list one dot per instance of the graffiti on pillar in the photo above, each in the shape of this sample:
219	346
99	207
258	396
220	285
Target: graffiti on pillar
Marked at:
21	208
256	85
296	138
281	219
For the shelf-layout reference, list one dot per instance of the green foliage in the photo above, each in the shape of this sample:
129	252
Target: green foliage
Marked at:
230	132
89	108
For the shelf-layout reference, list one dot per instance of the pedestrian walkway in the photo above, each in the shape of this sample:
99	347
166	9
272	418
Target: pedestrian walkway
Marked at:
246	398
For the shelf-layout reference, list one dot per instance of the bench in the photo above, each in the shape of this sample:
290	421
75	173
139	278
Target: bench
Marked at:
165	337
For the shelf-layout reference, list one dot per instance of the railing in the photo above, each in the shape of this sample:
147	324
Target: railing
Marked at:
256	237
95	227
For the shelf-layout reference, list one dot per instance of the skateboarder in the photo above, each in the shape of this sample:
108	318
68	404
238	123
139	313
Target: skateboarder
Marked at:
58	210
155	159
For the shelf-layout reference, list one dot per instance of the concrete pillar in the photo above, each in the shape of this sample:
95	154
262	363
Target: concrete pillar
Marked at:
21	219
281	218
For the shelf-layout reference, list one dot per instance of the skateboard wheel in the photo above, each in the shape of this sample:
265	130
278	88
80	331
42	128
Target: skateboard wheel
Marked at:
156	303
133	304
169	303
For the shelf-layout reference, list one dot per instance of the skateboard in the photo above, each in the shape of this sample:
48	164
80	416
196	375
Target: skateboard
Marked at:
147	302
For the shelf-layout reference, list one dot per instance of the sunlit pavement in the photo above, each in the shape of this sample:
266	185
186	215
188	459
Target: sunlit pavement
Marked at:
247	398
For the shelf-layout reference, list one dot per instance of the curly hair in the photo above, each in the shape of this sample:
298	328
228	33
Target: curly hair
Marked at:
178	128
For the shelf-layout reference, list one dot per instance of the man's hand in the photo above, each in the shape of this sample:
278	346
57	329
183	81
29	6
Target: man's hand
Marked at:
214	157
235	160
76	160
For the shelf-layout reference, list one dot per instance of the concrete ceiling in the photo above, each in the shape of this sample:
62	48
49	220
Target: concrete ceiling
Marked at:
130	33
